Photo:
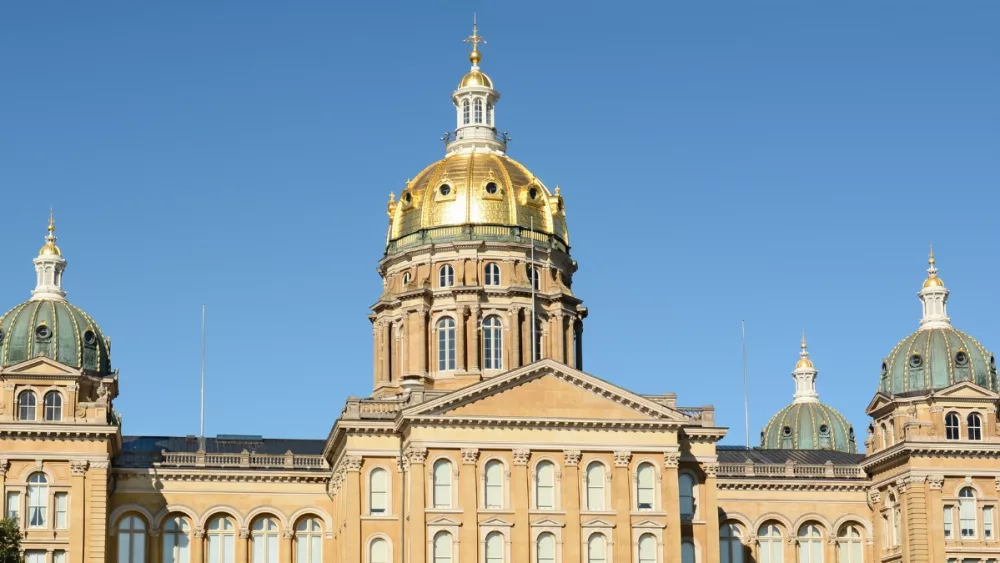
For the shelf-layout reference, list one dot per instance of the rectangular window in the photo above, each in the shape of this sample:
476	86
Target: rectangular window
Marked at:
14	506
494	494
58	557
949	525
967	518
62	504
988	523
34	556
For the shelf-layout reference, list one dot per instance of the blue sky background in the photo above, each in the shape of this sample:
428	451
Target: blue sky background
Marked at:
786	163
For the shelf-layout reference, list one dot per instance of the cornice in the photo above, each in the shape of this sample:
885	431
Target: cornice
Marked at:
220	475
577	424
959	449
29	430
772	484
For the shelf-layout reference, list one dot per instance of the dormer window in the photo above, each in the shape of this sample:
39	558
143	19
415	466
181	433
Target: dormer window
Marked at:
952	426
961	358
975	426
43	332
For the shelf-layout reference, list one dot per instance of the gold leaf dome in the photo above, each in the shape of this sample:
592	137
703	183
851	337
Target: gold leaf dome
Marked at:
486	190
475	78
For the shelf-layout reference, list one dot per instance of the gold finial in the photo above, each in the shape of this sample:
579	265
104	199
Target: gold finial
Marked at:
392	197
52	221
932	278
930	260
475	39
804	361
803	340
50	248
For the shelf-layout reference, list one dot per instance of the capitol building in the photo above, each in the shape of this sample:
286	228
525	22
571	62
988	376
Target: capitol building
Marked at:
484	439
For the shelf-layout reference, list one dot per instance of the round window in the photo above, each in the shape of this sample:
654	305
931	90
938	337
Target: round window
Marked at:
407	197
787	430
1	335
43	332
491	188
89	338
824	429
885	369
533	193
406	278
916	361
961	358
445	189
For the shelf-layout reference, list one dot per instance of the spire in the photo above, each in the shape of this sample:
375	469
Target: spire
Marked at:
49	267
475	39
805	377
934	297
474	102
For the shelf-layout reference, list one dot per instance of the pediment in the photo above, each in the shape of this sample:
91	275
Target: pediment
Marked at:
496	521
598	523
966	390
444	521
550	389
879	401
546	522
649	523
40	366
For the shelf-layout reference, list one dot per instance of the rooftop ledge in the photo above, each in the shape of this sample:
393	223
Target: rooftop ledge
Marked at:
791	469
492	233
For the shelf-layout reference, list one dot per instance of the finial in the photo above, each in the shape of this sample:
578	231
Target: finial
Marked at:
475	39
932	278
392	197
557	189
804	361
803	340
52	221
930	260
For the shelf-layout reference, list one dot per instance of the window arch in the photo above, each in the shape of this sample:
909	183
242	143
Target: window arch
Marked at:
494	548
849	548
647	548
595	486
545	485
730	543
131	540
309	541
769	537
53	406
442	484
952	426
534	278
975	426
810	544
465	112
176	540
967	513
26	405
597	548
478	115
378	491
446	276
264	540
686	484
545	548
446	344
493	475
645	486
491	274
221	535
492	343
378	551
38	500
442	547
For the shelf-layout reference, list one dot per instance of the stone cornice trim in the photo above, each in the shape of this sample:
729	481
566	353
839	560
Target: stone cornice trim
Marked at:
590	424
956	449
222	475
26	431
790	485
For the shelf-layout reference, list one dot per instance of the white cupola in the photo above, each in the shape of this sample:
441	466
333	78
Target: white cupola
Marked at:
934	296
49	268
805	377
475	114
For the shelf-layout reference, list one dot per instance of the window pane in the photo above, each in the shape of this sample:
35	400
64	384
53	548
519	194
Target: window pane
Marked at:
647	549
316	549
61	510
494	548
442	484
595	486
546	548
379	551
494	484
687	552
596	549
645	484
13	506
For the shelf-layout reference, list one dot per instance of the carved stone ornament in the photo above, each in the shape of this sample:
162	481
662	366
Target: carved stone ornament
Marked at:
711	469
571	458
935	482
78	467
4	464
671	460
521	457
199	532
288	534
470	456
874	495
901	484
622	458
352	463
416	455
244	533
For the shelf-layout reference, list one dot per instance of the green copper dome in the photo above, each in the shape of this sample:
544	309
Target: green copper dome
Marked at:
935	358
809	426
57	330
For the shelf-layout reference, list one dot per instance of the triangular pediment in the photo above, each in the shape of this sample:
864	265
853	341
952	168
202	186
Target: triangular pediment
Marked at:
966	390
443	521
649	523
598	523
40	366
879	401
497	522
546	389
546	522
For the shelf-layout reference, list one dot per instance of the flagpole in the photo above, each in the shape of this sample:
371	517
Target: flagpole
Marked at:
533	276
202	431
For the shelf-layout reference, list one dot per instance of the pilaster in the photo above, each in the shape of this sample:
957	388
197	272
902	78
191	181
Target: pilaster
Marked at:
242	546
514	337
154	547
461	366
520	504
385	331
417	545
77	505
97	511
556	330
670	489
473	337
710	512
4	464
470	499
620	495
571	502
916	521
286	546
198	547
352	465
570	344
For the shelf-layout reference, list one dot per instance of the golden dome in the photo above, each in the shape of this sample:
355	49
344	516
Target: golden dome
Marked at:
476	188
475	78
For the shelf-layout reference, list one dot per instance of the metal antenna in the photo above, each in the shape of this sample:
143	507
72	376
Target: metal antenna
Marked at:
201	444
746	392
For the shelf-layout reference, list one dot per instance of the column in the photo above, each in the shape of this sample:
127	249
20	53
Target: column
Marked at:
710	513
155	546
916	524
398	368
526	338
579	345
570	343
468	542
622	506
376	354
670	493
386	347
417	543
352	535
286	546
514	338
521	538
77	502
935	517
558	352
571	504
473	336
4	464
198	546
460	363
242	546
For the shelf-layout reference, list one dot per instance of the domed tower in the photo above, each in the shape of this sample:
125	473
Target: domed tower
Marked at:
937	355
808	424
473	240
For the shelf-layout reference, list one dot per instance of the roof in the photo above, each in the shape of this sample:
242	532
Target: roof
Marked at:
143	451
739	454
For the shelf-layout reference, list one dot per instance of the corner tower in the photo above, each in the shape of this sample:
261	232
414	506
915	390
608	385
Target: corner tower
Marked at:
473	240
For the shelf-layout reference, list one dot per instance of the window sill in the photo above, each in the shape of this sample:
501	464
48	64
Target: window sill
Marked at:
547	512
444	510
648	513
377	517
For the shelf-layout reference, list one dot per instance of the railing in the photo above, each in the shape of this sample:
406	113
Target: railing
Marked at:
791	469
479	133
372	408
704	415
244	459
500	233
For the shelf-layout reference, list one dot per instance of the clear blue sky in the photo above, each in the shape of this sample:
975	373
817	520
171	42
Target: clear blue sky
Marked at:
786	163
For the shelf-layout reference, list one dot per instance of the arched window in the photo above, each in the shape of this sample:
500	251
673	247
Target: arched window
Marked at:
491	274
38	500
686	482
647	548
883	435
967	513
378	551
975	425
26	406
597	548
769	537
442	547
489	113
221	536
494	484
892	521
442	484
952	426
264	540
479	111
446	276
176	541
494	548
687	551
645	486
810	544
378	491
53	406
308	541
446	344
465	112
534	278
545	486
492	343
131	540
545	548
730	543
595	486
849	548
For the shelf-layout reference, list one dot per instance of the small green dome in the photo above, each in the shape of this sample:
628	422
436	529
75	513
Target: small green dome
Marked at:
935	358
808	426
57	330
